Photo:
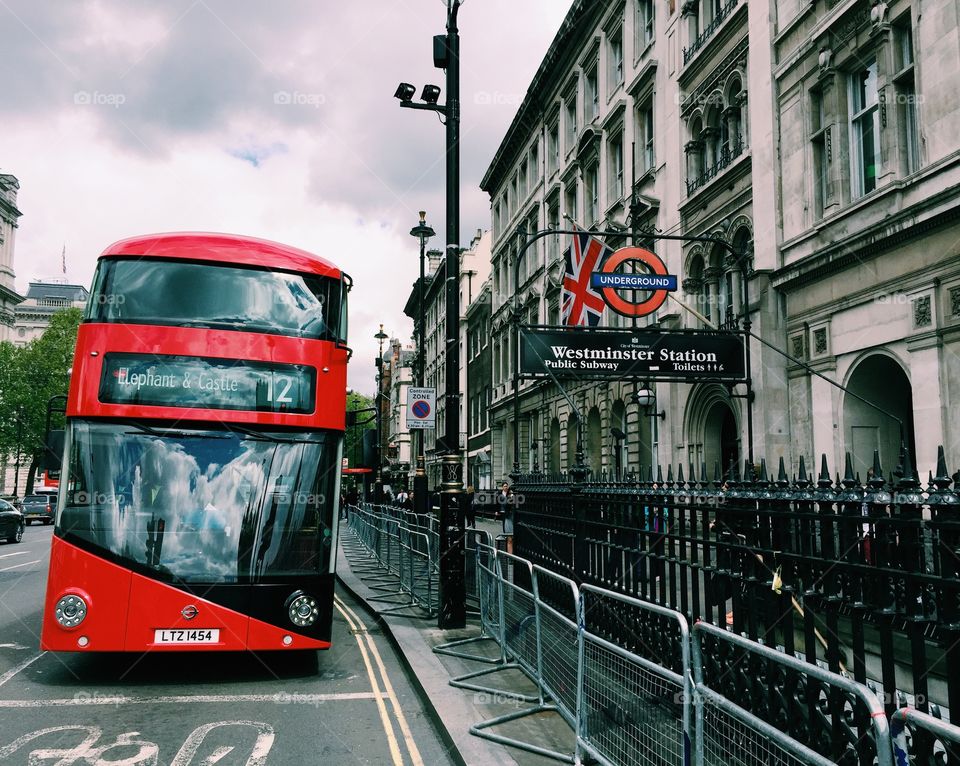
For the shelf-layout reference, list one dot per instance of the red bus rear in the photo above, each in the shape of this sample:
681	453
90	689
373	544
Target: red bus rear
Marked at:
201	461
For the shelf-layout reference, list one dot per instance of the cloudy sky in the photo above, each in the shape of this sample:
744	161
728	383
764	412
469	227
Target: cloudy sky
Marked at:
277	120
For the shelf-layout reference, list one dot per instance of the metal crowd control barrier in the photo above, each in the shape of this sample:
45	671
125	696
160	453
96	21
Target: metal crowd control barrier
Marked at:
491	625
403	566
633	709
726	732
533	634
906	723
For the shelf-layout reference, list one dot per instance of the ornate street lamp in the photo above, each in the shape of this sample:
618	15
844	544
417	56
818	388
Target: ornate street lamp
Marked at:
378	487
423	232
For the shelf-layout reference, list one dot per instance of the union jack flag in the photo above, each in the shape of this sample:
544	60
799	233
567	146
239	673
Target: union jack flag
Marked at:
580	303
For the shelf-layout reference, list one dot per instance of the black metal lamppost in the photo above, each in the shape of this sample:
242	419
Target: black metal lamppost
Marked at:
423	232
446	55
378	486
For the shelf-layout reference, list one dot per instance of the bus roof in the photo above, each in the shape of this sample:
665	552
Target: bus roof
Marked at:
223	248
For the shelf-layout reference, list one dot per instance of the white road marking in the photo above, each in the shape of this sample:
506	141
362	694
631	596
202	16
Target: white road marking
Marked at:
258	755
17	566
283	698
385	722
217	755
12	646
22	666
394	702
18	553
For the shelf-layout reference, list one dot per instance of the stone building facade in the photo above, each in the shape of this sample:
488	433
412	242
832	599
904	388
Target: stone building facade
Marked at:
43	300
9	215
807	136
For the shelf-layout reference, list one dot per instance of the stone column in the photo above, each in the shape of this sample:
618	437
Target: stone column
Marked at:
711	277
710	138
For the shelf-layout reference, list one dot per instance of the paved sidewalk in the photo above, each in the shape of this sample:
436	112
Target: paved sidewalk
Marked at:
456	710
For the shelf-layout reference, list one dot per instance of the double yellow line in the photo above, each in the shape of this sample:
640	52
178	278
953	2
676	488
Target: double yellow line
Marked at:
368	649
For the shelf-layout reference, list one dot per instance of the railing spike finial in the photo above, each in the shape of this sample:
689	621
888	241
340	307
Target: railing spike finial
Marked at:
748	473
802	479
824	479
782	480
848	479
942	479
764	479
876	480
680	481
909	479
670	474
693	474
717	476
659	475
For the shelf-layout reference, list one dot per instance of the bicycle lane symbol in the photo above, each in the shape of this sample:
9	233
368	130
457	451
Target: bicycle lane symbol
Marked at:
88	751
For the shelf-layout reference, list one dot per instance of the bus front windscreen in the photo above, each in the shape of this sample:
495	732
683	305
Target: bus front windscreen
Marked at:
202	506
188	294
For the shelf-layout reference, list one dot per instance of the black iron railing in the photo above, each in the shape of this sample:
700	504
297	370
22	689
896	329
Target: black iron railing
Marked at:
862	578
708	31
728	153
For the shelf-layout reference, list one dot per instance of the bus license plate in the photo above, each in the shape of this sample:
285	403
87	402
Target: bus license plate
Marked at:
192	636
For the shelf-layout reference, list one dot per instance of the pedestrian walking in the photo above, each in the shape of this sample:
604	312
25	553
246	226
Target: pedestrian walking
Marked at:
506	502
471	507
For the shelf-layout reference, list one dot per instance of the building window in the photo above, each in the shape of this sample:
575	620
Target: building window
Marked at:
522	181
553	222
615	59
591	96
615	170
819	140
644	127
534	165
591	191
553	149
570	119
570	199
864	130
906	89
644	27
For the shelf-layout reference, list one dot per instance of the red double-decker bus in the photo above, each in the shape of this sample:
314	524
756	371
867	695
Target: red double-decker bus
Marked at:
205	419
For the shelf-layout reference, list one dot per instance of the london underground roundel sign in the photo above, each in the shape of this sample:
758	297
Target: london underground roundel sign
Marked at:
653	279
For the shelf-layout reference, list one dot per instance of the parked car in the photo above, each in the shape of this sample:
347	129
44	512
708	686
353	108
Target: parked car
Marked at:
12	499
11	523
39	507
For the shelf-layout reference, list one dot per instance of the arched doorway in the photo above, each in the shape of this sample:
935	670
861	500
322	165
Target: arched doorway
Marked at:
713	429
880	379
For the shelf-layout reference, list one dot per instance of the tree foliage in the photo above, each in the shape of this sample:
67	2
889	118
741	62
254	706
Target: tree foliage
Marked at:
353	439
29	376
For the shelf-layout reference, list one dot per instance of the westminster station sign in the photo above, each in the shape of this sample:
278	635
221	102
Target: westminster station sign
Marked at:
678	355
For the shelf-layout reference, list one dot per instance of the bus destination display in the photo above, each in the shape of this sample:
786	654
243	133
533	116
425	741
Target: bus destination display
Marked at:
216	384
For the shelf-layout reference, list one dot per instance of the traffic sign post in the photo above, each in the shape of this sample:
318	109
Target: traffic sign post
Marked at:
421	408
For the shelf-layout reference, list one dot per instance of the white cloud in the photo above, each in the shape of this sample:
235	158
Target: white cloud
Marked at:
182	128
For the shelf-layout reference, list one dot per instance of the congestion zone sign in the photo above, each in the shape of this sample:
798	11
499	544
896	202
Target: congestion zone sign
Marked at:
658	283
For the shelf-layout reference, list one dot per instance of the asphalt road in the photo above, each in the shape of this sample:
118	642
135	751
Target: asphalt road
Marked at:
352	704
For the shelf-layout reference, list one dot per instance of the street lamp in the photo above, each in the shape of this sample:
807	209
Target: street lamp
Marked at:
378	487
423	232
647	400
446	55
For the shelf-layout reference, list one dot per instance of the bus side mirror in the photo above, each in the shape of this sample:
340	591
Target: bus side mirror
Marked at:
52	456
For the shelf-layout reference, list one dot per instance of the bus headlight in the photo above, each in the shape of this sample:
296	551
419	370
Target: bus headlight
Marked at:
302	609
70	611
